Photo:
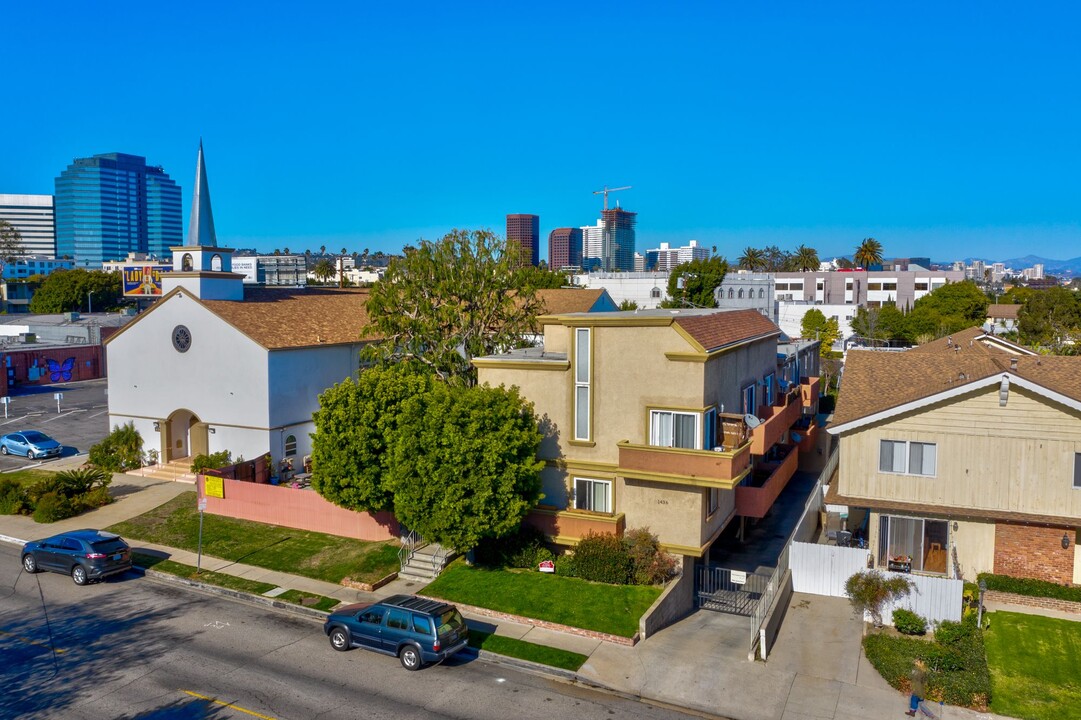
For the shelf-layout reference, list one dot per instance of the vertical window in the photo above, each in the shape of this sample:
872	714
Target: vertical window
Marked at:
1077	470
741	293
290	445
593	495
581	383
918	544
767	383
673	429
909	458
731	293
714	500
891	456
921	458
709	430
747	399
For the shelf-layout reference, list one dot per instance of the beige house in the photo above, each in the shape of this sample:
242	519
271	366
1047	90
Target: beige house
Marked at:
646	421
962	457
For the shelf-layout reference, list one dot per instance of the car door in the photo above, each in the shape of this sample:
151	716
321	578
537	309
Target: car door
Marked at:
396	629
368	629
17	444
69	550
46	553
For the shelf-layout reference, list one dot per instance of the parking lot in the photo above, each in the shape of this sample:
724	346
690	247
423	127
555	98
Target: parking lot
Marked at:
82	421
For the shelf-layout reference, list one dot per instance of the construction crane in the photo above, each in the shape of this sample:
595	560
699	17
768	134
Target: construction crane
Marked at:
607	190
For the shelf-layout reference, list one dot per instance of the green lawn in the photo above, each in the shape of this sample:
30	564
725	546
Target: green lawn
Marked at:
1035	665
27	477
319	602
210	578
526	650
613	609
311	554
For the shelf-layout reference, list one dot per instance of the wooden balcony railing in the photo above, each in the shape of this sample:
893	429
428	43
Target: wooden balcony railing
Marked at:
705	468
757	493
808	387
775	424
808	437
567	527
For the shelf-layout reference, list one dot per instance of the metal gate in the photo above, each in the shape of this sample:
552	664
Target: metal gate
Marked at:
730	591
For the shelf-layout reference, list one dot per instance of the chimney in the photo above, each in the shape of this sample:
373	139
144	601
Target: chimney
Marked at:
1013	363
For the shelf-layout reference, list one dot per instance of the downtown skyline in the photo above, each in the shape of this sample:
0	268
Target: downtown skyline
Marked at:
945	132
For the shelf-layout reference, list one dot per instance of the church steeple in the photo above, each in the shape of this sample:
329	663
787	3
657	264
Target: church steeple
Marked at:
201	223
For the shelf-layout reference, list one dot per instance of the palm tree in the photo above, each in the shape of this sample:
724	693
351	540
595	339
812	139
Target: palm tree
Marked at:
868	253
323	270
752	259
322	249
806	258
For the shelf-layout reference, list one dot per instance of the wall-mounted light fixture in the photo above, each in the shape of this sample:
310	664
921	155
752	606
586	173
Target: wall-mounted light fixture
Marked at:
157	425
955	526
212	431
1065	541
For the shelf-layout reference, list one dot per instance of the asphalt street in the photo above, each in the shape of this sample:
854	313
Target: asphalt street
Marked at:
132	647
83	418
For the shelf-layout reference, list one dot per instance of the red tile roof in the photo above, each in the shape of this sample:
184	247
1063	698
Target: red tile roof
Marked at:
723	328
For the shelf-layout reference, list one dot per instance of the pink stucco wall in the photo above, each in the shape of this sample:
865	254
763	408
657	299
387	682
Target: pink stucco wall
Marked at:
300	509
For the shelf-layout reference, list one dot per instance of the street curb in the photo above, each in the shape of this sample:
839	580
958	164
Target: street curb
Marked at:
12	540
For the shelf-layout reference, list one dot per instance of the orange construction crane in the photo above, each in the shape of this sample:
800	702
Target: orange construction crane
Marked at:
607	190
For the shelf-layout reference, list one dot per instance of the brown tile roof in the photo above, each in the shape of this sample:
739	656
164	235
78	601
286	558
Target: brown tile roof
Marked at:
559	301
719	329
1005	312
874	382
296	317
966	337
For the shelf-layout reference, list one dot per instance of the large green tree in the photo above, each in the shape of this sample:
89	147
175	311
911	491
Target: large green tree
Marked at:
868	253
465	464
449	301
537	278
1050	318
354	426
816	325
694	283
959	305
881	324
805	259
752	259
67	290
11	243
323	269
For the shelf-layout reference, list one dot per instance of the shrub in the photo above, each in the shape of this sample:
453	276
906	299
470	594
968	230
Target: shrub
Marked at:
13	499
98	497
121	450
603	557
869	590
1030	587
523	549
956	673
82	480
908	622
565	565
213	461
651	566
52	507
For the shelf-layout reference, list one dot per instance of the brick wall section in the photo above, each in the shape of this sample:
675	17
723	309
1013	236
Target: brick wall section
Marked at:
1034	552
1029	601
485	612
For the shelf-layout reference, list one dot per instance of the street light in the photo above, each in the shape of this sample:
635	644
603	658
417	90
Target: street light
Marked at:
89	307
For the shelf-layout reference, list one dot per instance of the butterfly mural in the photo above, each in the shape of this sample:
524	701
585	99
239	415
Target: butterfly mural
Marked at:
60	371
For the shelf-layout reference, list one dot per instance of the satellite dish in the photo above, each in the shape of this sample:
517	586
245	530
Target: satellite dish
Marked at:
751	420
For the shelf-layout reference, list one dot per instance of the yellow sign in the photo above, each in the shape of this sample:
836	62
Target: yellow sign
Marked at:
214	486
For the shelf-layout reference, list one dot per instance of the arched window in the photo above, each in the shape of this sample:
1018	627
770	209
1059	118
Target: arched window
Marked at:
215	262
741	293
761	293
290	445
655	293
731	293
185	262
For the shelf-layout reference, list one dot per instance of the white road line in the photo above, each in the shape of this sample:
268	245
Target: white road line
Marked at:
63	415
96	414
15	419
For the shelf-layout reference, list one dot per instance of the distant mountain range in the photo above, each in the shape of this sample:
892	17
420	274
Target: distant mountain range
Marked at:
1070	267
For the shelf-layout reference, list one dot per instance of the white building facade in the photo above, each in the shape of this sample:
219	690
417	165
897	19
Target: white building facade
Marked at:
33	217
646	289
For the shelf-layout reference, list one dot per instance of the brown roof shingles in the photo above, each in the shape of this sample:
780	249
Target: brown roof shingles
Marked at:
720	329
1002	311
297	317
560	301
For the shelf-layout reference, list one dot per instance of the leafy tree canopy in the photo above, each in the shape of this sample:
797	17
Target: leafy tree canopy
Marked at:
66	290
465	464
11	243
699	279
538	278
868	253
1050	318
449	301
963	301
816	325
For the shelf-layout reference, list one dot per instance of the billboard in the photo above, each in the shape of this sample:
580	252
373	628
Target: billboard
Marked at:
143	280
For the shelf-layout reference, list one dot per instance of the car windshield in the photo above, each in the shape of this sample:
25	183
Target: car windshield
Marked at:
450	621
109	546
35	437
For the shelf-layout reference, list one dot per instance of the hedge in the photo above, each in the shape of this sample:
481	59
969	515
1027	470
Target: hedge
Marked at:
1030	587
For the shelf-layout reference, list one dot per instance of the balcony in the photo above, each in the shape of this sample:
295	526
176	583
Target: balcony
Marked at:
704	468
776	420
758	491
567	527
808	387
808	430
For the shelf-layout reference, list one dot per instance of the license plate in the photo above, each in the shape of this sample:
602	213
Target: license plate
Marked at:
117	556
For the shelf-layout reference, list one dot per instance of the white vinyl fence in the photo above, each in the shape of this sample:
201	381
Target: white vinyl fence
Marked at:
823	570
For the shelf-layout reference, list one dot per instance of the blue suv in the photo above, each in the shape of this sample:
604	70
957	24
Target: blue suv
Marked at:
416	630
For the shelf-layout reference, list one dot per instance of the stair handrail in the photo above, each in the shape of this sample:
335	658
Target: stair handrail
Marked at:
408	549
439	559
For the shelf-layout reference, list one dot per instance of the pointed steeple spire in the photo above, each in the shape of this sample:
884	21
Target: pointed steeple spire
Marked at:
201	223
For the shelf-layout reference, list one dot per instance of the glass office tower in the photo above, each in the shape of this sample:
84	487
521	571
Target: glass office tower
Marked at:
113	204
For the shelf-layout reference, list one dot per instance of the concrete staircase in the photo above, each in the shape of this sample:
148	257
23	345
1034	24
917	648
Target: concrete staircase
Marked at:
178	470
425	562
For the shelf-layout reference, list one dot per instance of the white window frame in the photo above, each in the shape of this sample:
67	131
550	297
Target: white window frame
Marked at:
769	382
286	445
1077	471
582	384
753	409
588	497
907	457
714	501
659	442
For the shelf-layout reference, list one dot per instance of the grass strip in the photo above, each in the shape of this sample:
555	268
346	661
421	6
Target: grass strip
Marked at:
319	602
310	554
553	657
206	576
1035	666
613	609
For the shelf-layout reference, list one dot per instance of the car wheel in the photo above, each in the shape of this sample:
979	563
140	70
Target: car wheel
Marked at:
30	565
339	639
4	449
29	454
78	574
410	658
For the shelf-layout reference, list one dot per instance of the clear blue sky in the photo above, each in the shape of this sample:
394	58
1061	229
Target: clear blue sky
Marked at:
942	129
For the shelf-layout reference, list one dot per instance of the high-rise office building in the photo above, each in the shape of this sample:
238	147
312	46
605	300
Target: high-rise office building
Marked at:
523	238
609	245
32	216
113	204
565	248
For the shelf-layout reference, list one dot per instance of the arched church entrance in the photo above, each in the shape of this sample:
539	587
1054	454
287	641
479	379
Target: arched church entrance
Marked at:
185	436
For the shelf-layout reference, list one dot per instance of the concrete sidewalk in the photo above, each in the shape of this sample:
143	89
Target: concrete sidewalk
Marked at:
816	668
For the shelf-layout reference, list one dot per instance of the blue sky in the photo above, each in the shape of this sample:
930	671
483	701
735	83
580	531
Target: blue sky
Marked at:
942	129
